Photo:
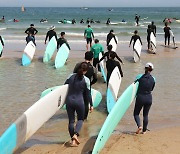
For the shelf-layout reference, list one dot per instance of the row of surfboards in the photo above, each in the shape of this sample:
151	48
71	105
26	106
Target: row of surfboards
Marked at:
60	59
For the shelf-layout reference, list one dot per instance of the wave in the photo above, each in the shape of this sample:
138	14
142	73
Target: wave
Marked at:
3	28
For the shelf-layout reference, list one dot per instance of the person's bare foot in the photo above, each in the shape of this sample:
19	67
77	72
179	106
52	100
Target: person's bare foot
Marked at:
138	130
73	143
143	132
76	139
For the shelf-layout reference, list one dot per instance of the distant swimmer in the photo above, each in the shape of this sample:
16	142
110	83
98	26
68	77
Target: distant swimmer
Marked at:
87	21
91	21
88	35
62	40
167	20
2	19
97	21
153	27
43	20
167	33
110	36
123	20
134	38
15	20
2	42
31	31
73	21
65	21
50	34
82	21
137	19
108	21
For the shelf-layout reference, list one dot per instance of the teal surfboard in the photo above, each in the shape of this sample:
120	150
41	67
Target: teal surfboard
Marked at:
1	46
61	56
51	47
115	116
96	95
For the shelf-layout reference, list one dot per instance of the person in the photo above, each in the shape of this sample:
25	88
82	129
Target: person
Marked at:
149	30
88	35
111	64
107	54
31	31
87	21
91	21
73	21
144	98
91	74
2	42
134	38
62	40
96	49
153	27
30	38
50	34
82	21
110	36
108	21
78	89
137	19
167	33
65	21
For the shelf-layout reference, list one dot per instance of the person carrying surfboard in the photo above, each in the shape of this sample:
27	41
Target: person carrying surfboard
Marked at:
134	38
91	74
50	34
88	35
144	97
110	36
149	31
167	34
31	30
2	42
153	27
78	89
62	40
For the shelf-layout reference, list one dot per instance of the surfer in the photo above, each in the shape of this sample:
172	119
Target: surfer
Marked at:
110	36
91	74
153	27
82	21
134	38
167	33
137	19
144	98
62	40
88	35
91	21
78	89
149	30
50	34
96	49
73	21
108	21
31	30
111	64
2	42
87	21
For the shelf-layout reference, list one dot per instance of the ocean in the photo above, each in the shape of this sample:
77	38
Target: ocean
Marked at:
15	30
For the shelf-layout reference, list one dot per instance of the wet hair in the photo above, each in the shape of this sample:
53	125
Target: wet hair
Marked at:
88	55
96	40
83	67
89	25
109	47
111	30
152	22
31	24
135	32
62	33
112	55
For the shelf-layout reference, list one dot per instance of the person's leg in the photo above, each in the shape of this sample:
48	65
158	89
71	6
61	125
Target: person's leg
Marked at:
86	111
168	40
90	41
87	44
165	40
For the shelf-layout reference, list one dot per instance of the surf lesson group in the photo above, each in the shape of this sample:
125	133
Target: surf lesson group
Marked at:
78	94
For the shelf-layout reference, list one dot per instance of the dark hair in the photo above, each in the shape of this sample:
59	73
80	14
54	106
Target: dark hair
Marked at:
96	40
152	22
89	55
148	69
83	67
89	25
111	30
112	55
31	24
109	47
135	32
62	33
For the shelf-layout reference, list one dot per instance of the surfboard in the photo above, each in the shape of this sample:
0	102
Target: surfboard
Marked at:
113	88
96	95
113	43
137	50
153	42
51	47
32	119
69	22
115	116
1	46
61	56
172	35
28	54
102	67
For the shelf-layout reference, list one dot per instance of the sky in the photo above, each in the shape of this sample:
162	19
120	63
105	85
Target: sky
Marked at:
90	3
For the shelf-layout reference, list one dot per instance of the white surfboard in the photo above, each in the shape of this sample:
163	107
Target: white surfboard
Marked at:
113	43
28	54
113	88
102	67
137	50
173	38
153	42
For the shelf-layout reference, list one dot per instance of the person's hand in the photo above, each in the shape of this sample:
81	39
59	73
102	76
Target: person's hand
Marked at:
91	109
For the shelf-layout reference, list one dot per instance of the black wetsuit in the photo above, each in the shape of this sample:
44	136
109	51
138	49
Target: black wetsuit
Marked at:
107	54
110	65
137	19
78	89
50	34
167	34
149	30
109	37
108	22
2	45
135	37
92	75
31	30
144	99
61	41
153	27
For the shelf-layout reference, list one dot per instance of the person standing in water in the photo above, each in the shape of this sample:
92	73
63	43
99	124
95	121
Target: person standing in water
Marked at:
31	30
153	27
2	42
88	35
144	97
149	30
91	74
134	38
62	40
108	21
110	36
50	34
167	34
79	87
137	19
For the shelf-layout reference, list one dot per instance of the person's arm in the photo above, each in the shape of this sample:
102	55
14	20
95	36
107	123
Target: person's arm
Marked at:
27	31
108	40
94	76
47	34
140	40
92	34
35	31
56	36
105	55
130	41
119	58
67	44
2	41
58	43
155	29
88	92
115	39
85	33
120	70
